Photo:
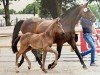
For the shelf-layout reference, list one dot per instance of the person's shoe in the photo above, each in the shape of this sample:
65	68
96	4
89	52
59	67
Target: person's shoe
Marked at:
93	64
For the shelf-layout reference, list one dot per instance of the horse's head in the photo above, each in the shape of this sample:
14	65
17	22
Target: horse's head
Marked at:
57	27
87	13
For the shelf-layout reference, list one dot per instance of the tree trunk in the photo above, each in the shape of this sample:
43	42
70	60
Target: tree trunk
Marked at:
6	9
54	7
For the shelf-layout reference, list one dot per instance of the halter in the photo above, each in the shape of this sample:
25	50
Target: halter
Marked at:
86	10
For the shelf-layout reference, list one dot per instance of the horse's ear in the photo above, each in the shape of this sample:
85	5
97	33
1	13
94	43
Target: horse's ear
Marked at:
86	4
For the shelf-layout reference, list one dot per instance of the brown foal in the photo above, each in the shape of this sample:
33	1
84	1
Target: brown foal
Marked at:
41	41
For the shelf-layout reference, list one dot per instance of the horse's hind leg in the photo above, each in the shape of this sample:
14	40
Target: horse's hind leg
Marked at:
28	61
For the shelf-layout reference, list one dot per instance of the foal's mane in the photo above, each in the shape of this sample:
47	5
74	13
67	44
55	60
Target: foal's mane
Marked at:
49	28
70	10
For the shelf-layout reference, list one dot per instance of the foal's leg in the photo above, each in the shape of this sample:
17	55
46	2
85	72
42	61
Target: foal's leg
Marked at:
59	48
73	45
22	59
17	57
21	51
28	61
37	55
49	49
43	61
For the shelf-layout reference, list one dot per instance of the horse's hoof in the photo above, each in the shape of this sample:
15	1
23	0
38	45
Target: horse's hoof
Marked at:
85	67
53	66
17	71
49	66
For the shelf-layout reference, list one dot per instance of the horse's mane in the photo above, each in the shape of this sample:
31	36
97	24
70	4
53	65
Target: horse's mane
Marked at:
69	10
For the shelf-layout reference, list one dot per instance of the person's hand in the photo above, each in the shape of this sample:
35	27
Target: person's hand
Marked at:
97	36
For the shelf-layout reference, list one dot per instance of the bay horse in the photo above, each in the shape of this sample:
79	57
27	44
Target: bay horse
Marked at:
42	41
68	20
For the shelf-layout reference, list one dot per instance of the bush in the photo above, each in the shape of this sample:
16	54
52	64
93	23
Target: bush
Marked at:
31	9
12	11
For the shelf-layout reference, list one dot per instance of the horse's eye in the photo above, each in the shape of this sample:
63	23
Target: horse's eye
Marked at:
85	9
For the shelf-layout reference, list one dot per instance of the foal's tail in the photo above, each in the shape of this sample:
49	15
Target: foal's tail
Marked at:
15	37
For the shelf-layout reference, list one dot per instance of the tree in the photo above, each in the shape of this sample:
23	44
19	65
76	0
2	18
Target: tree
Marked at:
55	6
52	6
6	9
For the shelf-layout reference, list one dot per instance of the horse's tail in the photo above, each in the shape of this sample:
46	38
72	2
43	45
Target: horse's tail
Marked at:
15	35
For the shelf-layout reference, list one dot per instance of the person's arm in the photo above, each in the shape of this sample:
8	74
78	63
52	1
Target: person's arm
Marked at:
95	32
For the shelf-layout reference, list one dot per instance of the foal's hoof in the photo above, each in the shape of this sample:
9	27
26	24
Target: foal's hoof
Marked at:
41	67
29	67
17	71
19	64
44	71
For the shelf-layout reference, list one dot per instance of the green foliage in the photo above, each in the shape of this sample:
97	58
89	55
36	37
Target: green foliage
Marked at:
12	11
1	11
31	8
95	9
94	0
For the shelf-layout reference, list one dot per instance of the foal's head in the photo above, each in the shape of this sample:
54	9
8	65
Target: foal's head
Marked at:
87	13
56	27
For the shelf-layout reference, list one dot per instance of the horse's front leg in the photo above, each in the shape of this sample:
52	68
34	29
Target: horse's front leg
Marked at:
59	48
43	61
38	56
73	45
